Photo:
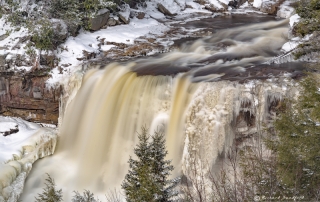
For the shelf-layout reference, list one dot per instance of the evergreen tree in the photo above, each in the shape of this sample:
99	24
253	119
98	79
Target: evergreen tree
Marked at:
161	168
297	143
147	178
87	197
50	193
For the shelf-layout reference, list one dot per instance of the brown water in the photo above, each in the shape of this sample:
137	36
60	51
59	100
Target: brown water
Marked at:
171	92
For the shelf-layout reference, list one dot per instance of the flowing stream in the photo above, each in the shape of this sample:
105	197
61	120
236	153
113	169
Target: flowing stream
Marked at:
195	95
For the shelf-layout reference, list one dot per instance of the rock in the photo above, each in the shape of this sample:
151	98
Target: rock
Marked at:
268	7
271	7
100	20
88	55
215	9
124	14
47	60
138	14
124	19
27	96
2	37
164	10
3	63
201	2
236	3
37	93
111	22
60	28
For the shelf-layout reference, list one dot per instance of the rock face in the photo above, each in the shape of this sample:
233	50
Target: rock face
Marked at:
28	97
100	20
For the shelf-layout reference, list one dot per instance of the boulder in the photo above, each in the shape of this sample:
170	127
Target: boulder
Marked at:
271	7
124	19
268	7
138	14
60	28
111	22
2	37
164	10
215	9
100	20
124	14
236	3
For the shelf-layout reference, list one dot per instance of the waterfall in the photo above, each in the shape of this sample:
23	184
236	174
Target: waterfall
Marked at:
200	96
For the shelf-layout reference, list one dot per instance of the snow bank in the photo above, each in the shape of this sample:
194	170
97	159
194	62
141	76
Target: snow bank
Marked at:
294	19
19	151
257	3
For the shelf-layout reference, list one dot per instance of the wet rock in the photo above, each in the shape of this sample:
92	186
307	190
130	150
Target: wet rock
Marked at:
111	22
164	10
100	20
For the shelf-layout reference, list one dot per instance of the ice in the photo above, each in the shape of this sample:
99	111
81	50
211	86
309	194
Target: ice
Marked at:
18	151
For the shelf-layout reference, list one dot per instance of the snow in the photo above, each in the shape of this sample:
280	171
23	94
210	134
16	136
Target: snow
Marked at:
290	45
89	42
7	126
294	19
125	11
257	3
216	3
18	151
171	5
12	144
285	10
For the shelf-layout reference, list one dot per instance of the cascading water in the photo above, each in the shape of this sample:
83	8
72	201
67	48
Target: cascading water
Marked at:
189	93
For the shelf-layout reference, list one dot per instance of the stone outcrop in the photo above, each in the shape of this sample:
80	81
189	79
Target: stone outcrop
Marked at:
27	96
100	20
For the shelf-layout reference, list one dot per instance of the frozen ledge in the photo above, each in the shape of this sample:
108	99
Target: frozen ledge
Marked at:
14	172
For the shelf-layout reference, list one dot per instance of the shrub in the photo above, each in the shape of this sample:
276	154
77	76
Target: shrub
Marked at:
50	193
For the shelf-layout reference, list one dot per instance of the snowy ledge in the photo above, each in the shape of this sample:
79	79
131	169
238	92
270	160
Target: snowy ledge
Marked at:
18	151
